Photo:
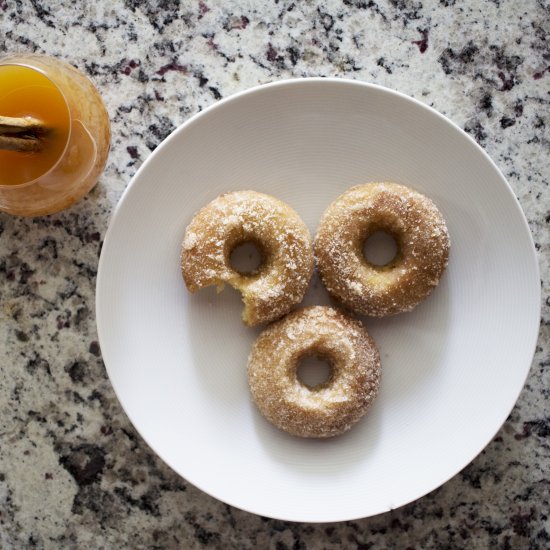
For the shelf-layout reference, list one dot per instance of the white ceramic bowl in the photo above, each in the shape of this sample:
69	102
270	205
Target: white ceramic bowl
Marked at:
452	368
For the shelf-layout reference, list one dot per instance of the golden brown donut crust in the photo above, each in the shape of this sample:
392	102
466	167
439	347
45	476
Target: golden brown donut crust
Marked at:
283	239
421	236
331	408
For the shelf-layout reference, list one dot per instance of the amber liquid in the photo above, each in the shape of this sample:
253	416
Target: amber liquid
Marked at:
27	92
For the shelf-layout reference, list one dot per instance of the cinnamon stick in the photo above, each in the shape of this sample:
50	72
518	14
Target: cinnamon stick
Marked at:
23	134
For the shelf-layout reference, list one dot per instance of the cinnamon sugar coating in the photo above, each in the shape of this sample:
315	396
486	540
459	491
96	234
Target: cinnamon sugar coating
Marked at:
332	407
418	229
281	236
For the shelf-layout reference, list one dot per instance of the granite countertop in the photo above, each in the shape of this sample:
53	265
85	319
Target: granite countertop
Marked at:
73	471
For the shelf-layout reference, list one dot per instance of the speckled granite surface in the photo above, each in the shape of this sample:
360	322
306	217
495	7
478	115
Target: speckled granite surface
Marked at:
73	472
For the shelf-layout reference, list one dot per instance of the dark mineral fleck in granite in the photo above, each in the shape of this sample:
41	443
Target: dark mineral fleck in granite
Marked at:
73	471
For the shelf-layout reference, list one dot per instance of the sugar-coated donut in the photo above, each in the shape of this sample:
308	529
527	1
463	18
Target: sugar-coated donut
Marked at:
327	409
282	238
418	229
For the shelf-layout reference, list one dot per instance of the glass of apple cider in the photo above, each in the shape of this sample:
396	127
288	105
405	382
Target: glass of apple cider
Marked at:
48	167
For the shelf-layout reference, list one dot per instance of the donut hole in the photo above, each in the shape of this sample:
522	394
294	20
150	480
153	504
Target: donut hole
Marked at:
246	258
314	372
380	249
